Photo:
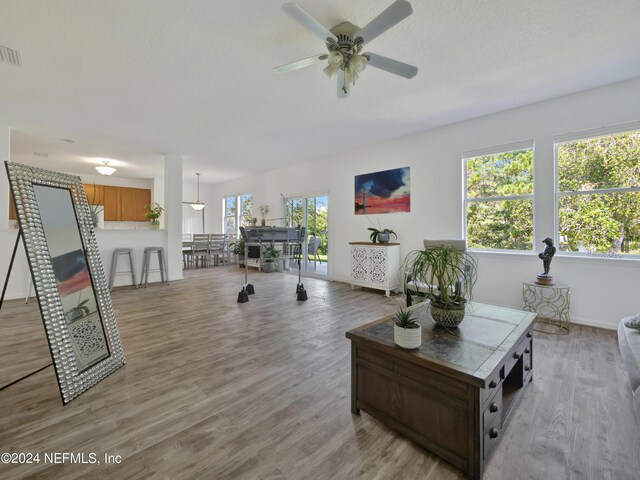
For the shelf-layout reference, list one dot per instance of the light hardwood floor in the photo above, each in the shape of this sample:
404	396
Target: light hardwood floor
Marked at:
213	389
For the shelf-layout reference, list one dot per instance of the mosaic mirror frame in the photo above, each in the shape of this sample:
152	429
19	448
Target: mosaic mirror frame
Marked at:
72	380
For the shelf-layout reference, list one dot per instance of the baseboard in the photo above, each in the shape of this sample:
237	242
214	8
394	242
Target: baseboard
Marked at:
594	323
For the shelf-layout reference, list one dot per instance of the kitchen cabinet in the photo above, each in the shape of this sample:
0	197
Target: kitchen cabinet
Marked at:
112	204
121	204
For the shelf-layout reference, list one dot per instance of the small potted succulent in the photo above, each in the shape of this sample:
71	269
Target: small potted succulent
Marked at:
407	332
270	256
153	213
381	236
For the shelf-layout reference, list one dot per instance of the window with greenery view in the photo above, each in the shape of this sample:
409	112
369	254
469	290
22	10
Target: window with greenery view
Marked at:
499	200
237	211
599	194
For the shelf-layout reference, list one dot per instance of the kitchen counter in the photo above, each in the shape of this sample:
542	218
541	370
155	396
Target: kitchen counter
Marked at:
112	238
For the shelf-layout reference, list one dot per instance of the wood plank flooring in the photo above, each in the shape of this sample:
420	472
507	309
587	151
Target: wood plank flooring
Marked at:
214	389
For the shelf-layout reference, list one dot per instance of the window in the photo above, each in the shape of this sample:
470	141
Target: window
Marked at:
598	194
237	211
499	199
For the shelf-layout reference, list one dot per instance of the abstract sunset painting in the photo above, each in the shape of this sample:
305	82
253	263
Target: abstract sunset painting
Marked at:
386	191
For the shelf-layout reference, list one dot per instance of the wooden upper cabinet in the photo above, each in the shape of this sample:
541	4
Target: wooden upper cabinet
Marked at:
128	209
143	197
94	193
121	204
112	204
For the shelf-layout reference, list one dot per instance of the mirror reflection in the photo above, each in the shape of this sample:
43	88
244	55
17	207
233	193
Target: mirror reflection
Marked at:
72	275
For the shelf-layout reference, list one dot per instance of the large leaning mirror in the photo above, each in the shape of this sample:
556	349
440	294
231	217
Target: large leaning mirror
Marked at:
68	276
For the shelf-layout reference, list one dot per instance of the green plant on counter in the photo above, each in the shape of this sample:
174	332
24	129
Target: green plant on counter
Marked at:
153	212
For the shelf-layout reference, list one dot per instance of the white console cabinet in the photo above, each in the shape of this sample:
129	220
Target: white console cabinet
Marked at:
375	265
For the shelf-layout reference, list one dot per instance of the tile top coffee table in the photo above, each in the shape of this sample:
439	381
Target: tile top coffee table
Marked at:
455	393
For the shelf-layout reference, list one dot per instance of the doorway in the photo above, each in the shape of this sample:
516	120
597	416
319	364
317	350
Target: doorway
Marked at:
311	212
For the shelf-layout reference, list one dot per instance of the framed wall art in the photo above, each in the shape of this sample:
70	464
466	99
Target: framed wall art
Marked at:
387	191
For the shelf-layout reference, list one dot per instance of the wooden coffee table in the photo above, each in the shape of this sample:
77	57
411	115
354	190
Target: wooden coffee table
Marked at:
454	394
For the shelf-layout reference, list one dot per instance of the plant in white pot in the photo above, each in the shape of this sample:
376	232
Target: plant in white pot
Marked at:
407	332
270	256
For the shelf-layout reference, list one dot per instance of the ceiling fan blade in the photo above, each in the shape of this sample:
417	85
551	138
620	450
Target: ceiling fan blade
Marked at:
305	62
301	16
343	87
398	11
392	66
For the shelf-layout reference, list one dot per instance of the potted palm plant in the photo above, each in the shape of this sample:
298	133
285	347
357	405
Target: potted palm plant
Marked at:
153	213
270	256
447	276
407	333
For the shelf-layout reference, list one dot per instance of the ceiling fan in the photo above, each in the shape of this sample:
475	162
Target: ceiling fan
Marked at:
345	41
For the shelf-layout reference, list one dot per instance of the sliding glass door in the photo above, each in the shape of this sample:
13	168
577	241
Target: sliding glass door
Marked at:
311	212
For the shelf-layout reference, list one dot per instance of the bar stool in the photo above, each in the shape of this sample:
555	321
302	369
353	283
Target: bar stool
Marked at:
114	265
146	261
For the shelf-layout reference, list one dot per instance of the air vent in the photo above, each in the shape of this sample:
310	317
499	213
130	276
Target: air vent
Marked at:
40	154
9	55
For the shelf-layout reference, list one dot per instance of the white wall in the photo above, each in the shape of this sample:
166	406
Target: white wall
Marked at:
603	290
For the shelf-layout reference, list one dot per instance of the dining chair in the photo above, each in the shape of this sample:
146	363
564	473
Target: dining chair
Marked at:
200	249
217	246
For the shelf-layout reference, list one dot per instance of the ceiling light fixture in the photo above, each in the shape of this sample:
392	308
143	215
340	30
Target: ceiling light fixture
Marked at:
105	169
198	205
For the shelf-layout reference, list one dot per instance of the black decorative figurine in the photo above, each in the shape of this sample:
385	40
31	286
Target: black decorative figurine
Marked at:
546	256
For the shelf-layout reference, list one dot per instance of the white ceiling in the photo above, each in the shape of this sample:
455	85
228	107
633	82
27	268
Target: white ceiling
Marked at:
133	79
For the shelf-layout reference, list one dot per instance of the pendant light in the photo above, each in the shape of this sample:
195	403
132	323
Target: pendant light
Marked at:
198	205
105	168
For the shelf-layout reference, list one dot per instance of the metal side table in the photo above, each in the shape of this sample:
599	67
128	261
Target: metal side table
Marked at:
551	302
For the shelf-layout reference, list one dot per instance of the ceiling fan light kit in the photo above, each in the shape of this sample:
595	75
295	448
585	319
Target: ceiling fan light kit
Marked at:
345	42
